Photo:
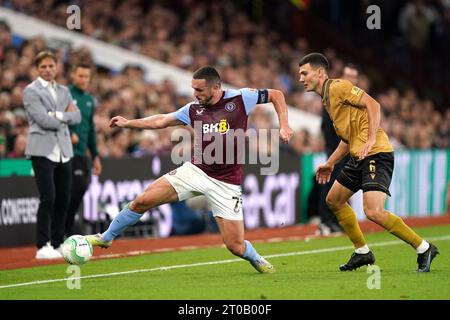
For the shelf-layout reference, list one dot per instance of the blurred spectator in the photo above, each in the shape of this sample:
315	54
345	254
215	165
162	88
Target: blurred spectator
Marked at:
416	20
147	143
83	138
18	150
300	142
2	144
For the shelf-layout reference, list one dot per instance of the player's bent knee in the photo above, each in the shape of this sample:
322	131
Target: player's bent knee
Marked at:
333	203
141	204
375	215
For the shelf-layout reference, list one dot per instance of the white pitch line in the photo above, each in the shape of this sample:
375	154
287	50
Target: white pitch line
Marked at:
120	273
379	244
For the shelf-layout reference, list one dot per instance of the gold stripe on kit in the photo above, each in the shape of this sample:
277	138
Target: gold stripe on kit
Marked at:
327	93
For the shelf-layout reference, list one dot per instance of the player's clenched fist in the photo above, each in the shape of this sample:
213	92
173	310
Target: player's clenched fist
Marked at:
118	121
286	134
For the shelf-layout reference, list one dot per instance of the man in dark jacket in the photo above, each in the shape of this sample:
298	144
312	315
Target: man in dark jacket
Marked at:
83	138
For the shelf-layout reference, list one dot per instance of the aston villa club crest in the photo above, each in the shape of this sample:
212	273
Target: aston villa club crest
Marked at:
230	106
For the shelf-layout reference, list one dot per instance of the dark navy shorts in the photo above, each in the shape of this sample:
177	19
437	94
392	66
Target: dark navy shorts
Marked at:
373	173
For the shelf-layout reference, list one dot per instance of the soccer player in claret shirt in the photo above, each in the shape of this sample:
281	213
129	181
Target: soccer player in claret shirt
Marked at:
214	111
356	118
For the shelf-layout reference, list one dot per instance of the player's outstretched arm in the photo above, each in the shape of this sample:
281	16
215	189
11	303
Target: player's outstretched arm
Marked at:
158	121
278	101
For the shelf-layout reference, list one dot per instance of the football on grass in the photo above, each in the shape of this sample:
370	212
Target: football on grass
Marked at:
77	250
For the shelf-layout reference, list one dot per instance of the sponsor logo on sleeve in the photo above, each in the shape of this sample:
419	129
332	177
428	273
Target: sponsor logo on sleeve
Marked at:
355	91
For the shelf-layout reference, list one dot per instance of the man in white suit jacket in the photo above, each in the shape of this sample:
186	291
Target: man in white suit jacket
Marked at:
50	110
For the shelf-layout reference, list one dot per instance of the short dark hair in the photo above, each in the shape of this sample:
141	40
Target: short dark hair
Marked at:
315	59
83	65
43	55
208	73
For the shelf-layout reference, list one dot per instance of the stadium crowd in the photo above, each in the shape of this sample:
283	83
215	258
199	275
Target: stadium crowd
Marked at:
194	34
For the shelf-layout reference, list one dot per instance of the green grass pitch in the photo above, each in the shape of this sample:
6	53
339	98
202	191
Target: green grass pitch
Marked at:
305	270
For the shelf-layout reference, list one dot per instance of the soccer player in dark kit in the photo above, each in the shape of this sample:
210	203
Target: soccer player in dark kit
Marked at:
215	111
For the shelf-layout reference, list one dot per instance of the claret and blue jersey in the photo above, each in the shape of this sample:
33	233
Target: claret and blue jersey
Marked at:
230	113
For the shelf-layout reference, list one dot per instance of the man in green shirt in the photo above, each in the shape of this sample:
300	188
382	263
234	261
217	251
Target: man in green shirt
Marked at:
83	138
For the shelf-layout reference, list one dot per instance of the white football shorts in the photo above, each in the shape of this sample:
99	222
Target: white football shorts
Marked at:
224	199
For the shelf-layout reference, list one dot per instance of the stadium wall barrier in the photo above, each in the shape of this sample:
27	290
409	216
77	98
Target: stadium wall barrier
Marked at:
19	202
269	201
419	187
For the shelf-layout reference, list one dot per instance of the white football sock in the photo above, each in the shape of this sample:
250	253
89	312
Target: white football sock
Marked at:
362	250
422	247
